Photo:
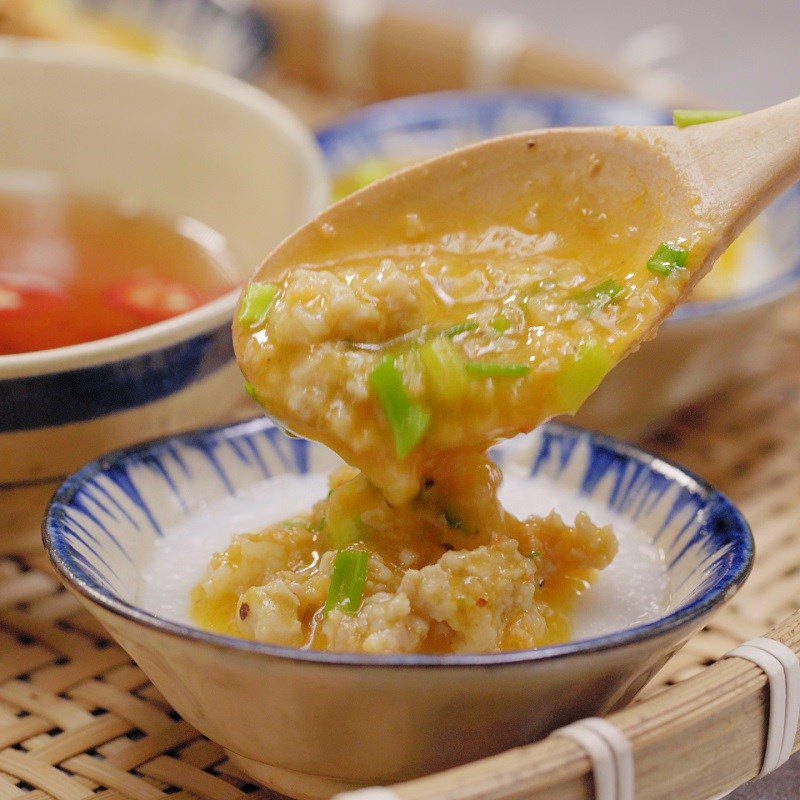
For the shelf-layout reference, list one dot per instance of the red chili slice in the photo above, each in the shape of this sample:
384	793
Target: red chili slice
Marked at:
21	299
153	299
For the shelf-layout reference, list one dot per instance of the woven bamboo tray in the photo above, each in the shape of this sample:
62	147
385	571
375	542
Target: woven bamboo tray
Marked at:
78	719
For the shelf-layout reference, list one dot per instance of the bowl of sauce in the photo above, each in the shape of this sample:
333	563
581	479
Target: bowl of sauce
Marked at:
74	270
122	251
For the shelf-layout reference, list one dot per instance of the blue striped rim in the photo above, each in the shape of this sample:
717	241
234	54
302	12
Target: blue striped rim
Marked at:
374	132
41	401
718	524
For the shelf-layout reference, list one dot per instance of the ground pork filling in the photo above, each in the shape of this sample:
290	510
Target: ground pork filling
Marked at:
440	575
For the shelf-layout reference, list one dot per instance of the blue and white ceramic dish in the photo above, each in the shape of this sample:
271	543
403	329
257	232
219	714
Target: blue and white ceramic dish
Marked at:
229	36
703	345
308	723
165	148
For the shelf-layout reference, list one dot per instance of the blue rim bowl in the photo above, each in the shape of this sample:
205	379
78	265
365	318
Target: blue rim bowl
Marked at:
232	37
280	713
78	529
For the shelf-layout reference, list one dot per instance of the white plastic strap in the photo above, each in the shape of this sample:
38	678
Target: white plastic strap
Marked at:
610	753
373	793
782	666
495	43
348	41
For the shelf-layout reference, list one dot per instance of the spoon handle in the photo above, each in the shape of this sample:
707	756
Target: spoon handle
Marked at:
743	163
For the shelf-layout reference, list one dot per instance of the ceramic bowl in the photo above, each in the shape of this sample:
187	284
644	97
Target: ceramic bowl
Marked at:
229	36
308	723
174	140
704	344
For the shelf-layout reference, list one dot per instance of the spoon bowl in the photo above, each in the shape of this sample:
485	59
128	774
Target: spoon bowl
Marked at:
707	342
581	241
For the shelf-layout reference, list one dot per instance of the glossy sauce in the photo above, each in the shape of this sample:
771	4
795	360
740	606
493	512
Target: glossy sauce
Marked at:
75	270
722	281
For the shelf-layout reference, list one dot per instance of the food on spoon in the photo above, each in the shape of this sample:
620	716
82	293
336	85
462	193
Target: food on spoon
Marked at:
391	343
450	571
724	279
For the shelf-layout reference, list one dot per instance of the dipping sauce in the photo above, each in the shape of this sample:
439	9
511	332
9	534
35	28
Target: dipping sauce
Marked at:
74	270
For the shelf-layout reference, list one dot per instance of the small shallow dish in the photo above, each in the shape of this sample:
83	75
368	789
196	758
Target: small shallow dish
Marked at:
704	344
308	723
173	140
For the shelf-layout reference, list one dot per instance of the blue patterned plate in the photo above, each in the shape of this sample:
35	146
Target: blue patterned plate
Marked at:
280	711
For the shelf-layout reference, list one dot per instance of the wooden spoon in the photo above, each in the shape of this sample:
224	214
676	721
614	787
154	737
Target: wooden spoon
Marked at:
714	178
605	198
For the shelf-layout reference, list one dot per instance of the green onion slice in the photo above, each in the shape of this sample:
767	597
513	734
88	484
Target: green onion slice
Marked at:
469	325
347	581
667	258
500	323
255	304
684	117
453	520
251	390
600	295
444	368
483	369
408	420
582	375
341	531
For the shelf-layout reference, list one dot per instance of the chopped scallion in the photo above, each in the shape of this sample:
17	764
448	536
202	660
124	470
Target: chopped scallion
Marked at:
684	117
341	530
251	390
500	323
470	325
667	258
582	375
444	368
483	369
347	581
255	304
408	420
600	295
453	521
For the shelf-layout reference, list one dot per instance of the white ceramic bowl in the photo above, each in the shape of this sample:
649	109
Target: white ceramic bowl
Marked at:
177	141
308	722
703	345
